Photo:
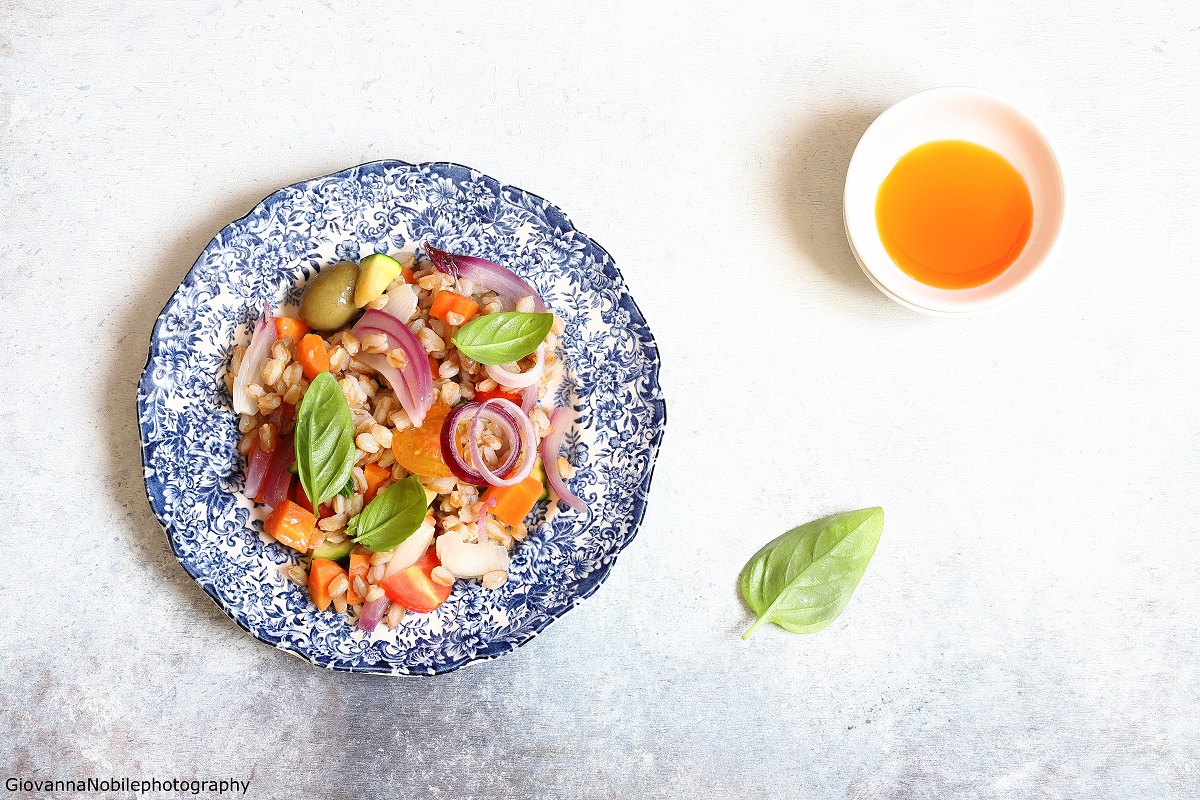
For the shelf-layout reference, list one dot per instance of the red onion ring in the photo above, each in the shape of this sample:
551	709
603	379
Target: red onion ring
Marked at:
372	613
529	398
559	420
504	282
520	380
528	442
454	460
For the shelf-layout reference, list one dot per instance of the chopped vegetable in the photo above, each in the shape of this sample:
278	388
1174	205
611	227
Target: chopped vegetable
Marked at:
413	588
360	565
313	355
375	272
510	436
291	525
372	613
525	441
334	551
415	391
409	277
328	301
502	281
401	303
519	380
320	574
375	476
447	303
513	503
289	328
467	559
278	480
411	549
257	464
419	450
253	362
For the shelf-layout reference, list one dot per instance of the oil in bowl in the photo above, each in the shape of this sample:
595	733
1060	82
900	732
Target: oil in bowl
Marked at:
953	214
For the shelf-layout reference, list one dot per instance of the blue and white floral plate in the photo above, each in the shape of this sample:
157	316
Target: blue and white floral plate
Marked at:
189	432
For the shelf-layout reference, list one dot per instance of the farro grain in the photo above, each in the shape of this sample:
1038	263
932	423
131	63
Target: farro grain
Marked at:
442	485
360	586
525	304
430	340
454	319
559	326
246	422
395	614
417	325
495	579
442	576
339	504
272	371
375	343
485	385
350	342
451	393
338	586
491	308
381	435
354	505
386	459
519	532
381	558
375	575
366	442
293	373
254	390
247	442
397	358
378	302
279	350
399	473
336	537
267	437
339	603
360	479
400	420
294	394
373	594
333	523
448	369
338	359
268	403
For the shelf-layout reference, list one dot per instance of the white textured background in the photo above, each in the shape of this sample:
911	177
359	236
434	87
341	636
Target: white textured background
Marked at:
1028	627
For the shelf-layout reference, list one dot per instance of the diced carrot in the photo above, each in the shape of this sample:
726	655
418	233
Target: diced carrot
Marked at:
433	365
320	574
313	355
446	303
291	525
360	564
514	502
375	475
289	328
408	275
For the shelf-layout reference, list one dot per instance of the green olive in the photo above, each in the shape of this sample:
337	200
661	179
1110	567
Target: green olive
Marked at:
328	300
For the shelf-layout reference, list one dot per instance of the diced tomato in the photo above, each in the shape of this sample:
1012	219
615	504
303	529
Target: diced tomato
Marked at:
497	394
414	588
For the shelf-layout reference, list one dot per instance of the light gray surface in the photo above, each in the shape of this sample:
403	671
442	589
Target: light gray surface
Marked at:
1028	625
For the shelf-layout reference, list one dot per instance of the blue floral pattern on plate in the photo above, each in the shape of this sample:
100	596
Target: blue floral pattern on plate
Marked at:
189	432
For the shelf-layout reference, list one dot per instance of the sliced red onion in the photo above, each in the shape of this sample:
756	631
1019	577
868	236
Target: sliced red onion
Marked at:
504	282
560	420
418	377
481	523
529	397
520	380
278	480
253	362
527	441
372	613
450	452
256	470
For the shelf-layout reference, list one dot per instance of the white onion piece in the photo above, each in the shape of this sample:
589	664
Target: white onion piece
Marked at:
470	559
402	303
410	550
519	380
253	362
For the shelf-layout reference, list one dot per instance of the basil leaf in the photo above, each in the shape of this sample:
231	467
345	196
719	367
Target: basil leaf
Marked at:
802	580
393	516
324	440
503	337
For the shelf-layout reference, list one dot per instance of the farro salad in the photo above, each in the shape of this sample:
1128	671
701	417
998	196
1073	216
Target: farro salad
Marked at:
393	425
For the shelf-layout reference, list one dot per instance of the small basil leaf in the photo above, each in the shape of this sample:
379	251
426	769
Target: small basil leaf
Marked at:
802	580
503	337
324	440
393	516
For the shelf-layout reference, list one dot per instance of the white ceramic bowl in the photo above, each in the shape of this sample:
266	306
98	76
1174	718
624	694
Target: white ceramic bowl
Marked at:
953	113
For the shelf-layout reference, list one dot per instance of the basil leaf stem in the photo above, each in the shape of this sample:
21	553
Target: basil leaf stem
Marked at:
503	337
803	580
324	440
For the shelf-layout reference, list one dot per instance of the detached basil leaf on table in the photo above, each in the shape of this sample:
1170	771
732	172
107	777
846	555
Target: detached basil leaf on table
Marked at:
802	580
324	440
393	516
503	337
